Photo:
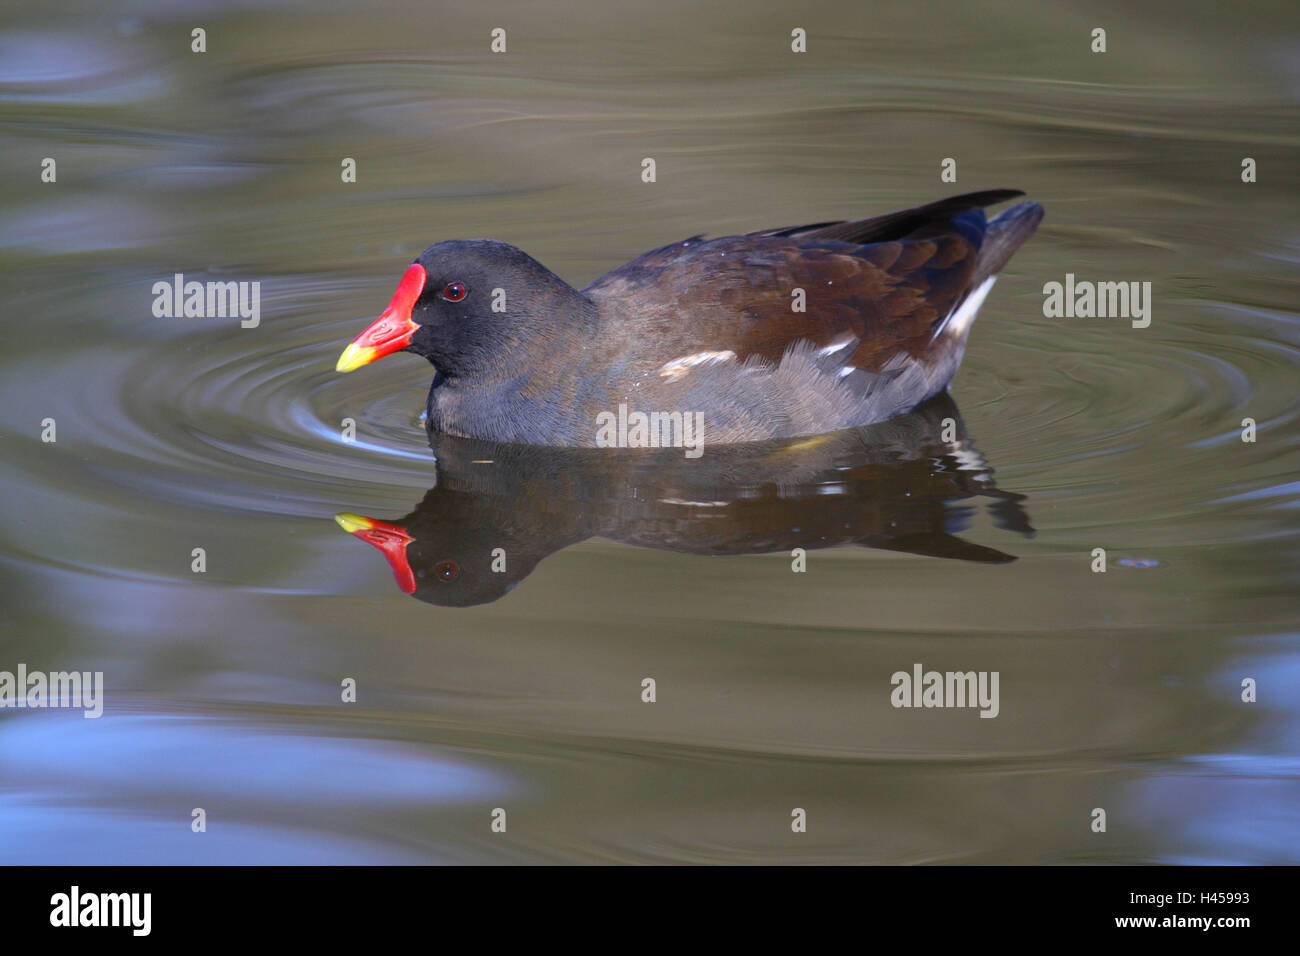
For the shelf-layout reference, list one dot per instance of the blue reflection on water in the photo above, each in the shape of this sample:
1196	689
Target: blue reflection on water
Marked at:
1240	807
121	790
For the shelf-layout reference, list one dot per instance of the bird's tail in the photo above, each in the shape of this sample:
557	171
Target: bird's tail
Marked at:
1004	234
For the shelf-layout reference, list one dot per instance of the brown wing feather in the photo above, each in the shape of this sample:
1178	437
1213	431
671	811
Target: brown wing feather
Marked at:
887	297
735	294
881	283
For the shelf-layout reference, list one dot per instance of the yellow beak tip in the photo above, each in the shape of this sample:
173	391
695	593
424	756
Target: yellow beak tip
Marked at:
354	357
351	523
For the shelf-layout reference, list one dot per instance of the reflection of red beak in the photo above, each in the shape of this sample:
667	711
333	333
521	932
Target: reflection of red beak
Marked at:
390	332
391	539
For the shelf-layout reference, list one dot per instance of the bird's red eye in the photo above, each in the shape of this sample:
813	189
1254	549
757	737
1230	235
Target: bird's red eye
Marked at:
455	292
447	570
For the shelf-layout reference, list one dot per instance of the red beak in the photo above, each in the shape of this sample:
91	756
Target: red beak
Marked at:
390	539
392	331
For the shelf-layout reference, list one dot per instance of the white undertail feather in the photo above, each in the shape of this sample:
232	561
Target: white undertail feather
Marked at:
960	318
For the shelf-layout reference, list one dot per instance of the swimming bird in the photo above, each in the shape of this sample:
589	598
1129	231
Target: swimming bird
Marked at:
780	333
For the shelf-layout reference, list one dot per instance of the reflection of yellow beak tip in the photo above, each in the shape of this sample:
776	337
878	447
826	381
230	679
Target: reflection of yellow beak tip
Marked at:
354	356
352	523
808	443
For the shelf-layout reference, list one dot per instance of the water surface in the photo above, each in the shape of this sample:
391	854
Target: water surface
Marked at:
1119	690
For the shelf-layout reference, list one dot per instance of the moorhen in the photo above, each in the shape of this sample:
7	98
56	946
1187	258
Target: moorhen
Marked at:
774	334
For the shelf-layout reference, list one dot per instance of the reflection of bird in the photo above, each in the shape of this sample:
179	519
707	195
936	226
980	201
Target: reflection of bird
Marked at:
776	334
497	510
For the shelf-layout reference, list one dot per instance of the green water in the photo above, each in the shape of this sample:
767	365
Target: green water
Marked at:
1119	691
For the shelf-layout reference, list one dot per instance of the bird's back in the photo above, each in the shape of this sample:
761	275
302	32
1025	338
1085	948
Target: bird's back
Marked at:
806	329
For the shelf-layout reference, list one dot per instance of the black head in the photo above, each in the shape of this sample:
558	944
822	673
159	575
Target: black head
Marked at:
466	305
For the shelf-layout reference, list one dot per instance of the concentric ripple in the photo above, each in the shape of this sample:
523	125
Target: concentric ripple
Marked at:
195	408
